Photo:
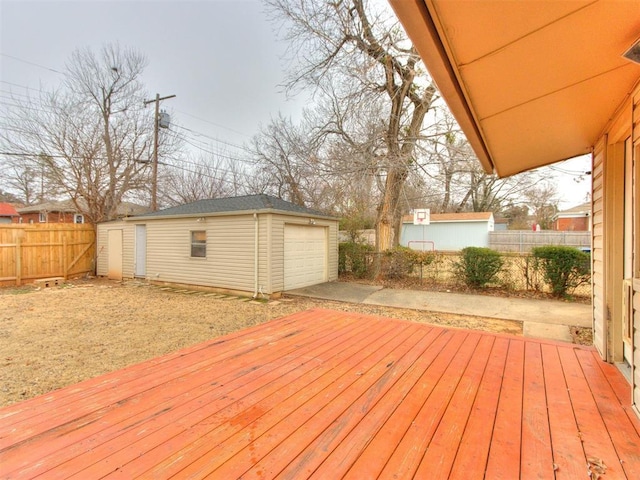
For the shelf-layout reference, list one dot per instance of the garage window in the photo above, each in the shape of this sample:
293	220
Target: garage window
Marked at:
199	243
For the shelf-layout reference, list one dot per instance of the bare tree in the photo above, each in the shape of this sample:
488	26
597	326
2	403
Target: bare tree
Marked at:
28	177
92	136
9	197
283	155
365	57
542	198
198	178
314	163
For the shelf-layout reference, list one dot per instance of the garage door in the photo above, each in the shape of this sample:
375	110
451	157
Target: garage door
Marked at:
305	256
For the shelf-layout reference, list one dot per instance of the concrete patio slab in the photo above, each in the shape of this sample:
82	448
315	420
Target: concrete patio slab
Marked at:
546	331
339	291
542	318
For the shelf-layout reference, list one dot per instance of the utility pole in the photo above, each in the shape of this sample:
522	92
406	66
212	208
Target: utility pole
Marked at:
154	181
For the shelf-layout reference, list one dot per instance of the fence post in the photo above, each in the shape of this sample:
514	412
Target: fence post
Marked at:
520	242
18	261
64	256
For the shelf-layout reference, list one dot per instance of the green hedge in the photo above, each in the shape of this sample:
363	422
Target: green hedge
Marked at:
563	268
400	261
353	258
478	266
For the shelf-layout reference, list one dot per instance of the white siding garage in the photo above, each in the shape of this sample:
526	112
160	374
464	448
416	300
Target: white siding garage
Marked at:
254	245
305	256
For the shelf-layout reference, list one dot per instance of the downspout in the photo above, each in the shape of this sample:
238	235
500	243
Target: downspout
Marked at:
255	255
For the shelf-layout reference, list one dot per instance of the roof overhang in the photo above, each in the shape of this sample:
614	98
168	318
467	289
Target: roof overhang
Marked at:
530	82
236	213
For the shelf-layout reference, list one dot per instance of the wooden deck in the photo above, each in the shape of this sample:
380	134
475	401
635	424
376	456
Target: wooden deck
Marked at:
327	395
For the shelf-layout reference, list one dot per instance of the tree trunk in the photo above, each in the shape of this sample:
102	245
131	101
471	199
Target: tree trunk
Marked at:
388	209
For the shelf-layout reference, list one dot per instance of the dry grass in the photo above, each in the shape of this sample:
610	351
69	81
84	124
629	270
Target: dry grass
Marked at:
59	336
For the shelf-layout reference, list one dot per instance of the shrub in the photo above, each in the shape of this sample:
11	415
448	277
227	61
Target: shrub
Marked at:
400	261
353	258
478	266
563	268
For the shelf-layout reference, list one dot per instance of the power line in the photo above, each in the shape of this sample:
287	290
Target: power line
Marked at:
31	63
565	171
13	94
213	123
185	136
206	167
200	134
18	85
26	107
210	152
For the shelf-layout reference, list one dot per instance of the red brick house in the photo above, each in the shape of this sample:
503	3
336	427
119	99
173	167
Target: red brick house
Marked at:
52	212
67	212
576	219
8	213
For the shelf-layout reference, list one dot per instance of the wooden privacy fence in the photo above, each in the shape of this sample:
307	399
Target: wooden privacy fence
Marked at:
32	251
525	240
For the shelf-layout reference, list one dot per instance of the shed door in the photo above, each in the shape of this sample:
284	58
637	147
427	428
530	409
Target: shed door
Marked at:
141	251
305	256
114	255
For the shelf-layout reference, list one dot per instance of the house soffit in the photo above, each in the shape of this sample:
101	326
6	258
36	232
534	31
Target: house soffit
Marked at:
531	82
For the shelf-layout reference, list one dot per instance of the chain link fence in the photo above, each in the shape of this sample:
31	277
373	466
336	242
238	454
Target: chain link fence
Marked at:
518	272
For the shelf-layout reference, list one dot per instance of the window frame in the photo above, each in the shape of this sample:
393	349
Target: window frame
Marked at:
198	244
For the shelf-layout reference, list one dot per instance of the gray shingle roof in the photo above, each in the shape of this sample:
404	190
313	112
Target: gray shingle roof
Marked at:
235	204
583	207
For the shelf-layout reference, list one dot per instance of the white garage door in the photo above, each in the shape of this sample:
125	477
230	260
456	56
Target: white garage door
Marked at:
305	256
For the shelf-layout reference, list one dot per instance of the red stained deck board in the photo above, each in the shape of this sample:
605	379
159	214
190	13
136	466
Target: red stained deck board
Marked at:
503	461
365	430
409	452
376	452
362	412
160	408
438	459
324	394
536	456
622	429
115	389
569	459
471	458
592	429
309	412
241	374
201	445
56	400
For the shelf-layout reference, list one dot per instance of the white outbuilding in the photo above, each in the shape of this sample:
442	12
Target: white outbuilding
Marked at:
447	231
255	245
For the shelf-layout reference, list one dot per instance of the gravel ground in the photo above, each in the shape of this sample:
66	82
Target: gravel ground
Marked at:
58	336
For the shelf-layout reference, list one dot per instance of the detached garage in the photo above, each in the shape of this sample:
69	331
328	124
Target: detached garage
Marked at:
255	245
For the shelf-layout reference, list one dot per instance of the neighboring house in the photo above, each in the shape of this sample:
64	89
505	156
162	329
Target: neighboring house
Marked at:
546	82
67	212
51	212
501	224
576	219
448	231
8	213
251	245
128	209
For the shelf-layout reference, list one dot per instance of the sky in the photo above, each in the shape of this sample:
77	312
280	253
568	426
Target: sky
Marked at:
223	60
